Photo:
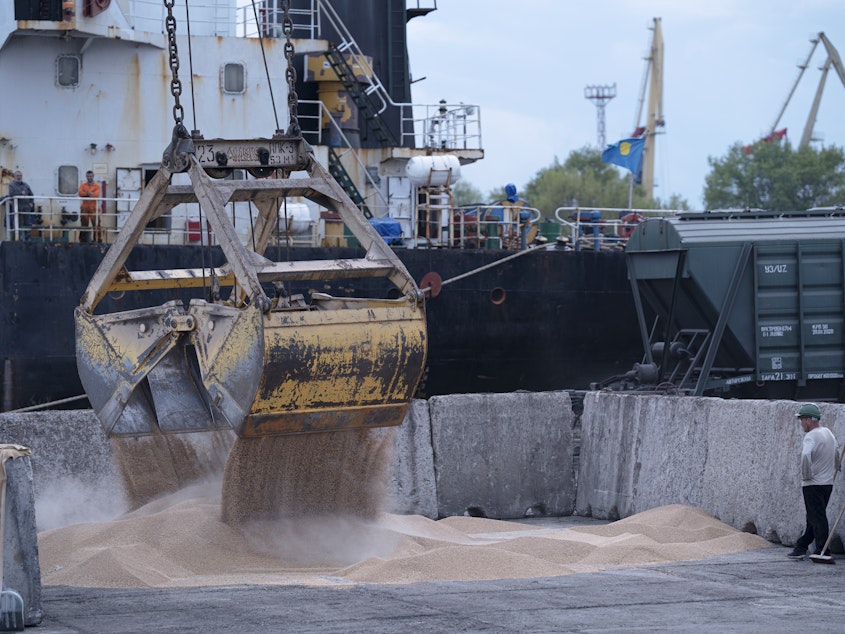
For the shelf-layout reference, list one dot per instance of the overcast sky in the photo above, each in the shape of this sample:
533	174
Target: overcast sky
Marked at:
729	67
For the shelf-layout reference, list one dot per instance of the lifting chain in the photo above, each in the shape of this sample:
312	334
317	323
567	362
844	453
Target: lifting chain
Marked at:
175	156
290	72
175	83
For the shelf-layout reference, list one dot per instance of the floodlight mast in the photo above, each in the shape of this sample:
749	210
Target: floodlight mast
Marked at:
600	96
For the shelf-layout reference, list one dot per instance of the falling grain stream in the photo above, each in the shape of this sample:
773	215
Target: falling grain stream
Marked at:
266	478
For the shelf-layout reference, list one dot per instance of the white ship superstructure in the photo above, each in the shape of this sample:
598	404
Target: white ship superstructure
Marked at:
88	86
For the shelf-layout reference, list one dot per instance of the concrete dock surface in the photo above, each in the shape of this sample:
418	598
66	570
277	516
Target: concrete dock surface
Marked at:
752	591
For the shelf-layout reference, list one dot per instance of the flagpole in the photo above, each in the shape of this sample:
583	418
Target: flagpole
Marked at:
631	192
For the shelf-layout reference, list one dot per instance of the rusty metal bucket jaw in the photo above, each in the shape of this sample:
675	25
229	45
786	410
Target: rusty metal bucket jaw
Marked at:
165	369
229	345
114	354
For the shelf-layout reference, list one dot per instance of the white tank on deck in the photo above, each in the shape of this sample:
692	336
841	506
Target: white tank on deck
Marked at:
300	218
433	171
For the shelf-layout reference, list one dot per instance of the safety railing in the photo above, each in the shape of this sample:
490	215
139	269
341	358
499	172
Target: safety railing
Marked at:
58	219
442	126
494	226
602	228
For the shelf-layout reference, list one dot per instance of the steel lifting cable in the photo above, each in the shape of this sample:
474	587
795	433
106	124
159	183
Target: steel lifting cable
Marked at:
206	250
191	67
264	57
290	76
486	267
33	408
179	113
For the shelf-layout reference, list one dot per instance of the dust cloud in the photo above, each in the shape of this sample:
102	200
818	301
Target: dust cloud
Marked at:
71	500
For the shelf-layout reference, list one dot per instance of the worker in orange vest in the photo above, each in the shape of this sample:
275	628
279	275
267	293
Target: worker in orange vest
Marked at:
89	215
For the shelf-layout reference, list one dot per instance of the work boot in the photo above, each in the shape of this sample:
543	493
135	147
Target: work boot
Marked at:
797	553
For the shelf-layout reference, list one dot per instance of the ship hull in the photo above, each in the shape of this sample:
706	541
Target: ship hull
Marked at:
546	320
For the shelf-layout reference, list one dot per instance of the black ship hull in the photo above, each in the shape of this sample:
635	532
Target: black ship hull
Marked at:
546	320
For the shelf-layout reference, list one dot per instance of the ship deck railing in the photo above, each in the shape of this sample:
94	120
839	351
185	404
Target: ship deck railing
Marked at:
57	219
602	228
494	226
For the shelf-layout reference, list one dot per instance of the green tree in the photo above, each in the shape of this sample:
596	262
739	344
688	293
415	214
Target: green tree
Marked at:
775	177
583	180
675	202
465	193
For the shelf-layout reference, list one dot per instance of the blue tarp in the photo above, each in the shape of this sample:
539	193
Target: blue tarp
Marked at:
389	229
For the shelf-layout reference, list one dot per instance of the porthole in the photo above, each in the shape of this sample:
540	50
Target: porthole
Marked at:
498	295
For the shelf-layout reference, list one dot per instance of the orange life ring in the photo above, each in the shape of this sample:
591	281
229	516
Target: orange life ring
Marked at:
629	223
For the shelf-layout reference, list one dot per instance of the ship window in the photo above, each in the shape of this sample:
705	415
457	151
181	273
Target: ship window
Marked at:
68	184
51	11
234	79
67	71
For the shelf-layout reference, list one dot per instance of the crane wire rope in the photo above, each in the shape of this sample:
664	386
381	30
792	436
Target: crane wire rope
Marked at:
492	265
264	57
206	249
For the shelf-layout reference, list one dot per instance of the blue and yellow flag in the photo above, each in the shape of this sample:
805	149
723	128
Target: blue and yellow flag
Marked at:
627	153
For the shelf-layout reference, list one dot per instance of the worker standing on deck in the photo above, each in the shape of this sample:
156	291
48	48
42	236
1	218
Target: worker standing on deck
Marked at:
515	219
89	216
818	468
26	206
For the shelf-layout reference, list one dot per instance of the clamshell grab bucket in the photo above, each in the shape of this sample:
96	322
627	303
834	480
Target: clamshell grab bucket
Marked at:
285	372
248	363
338	368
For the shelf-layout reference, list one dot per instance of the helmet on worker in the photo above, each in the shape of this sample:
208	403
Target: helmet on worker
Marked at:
810	410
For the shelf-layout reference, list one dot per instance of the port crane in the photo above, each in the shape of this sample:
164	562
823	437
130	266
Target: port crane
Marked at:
653	87
833	61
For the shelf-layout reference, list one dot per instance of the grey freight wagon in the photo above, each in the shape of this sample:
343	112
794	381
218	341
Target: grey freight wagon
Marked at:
740	303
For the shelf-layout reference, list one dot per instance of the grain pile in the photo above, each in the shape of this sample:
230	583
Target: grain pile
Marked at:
181	541
306	510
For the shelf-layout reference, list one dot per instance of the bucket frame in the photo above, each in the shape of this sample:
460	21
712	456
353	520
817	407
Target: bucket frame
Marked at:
251	363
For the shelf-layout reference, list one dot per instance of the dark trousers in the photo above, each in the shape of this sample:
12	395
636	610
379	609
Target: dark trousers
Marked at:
815	501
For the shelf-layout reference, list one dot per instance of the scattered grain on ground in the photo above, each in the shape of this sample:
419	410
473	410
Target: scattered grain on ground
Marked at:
180	540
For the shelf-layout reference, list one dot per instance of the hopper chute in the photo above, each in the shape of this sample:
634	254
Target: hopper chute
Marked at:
249	362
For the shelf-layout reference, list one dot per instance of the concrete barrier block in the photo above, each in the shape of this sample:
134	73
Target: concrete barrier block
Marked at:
739	459
74	471
608	458
752	479
21	569
412	489
672	452
503	455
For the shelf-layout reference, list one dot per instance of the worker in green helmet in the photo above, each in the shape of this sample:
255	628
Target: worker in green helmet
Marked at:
818	468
